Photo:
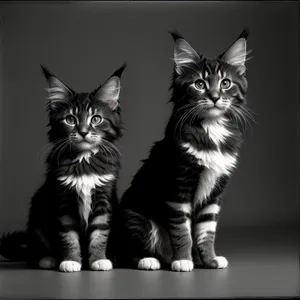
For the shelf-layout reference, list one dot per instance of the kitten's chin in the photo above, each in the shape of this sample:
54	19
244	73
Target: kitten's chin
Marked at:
214	112
84	146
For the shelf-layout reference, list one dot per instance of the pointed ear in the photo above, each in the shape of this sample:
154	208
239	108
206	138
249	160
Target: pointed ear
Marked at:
109	92
183	52
58	91
236	54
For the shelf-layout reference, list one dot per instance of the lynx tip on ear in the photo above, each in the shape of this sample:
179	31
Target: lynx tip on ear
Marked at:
119	71
46	72
244	34
176	35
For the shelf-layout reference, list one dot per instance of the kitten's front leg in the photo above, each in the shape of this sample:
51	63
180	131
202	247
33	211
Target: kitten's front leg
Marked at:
99	229
179	223
180	237
69	244
206	218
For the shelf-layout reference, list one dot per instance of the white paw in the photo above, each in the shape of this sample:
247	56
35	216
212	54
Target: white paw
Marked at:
102	265
149	263
70	266
182	265
221	261
48	262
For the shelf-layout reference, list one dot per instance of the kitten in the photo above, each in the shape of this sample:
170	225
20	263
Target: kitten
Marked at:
169	213
71	213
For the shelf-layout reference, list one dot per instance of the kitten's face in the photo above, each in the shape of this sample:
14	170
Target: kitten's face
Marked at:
84	121
211	87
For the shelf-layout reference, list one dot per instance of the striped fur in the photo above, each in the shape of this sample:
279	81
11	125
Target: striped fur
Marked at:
70	217
180	186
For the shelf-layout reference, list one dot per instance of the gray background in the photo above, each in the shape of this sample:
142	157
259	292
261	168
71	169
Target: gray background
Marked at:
83	43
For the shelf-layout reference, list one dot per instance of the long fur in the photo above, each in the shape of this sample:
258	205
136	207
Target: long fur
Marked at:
71	214
180	186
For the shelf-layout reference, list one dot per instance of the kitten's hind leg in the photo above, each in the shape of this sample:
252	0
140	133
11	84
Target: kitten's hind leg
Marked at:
41	253
140	240
48	262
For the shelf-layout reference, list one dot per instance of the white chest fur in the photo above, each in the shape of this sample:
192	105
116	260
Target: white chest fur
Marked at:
216	130
84	185
215	162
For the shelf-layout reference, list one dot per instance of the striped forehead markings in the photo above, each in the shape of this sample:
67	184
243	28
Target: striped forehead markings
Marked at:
206	74
217	67
88	109
211	68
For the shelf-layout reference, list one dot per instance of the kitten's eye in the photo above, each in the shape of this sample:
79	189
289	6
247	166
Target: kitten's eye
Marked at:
96	120
225	84
200	84
70	120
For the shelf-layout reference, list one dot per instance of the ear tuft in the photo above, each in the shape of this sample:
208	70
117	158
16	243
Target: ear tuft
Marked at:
244	34
46	72
236	54
58	91
184	54
109	92
176	35
119	71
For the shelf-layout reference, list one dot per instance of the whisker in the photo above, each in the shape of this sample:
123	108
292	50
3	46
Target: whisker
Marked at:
179	125
195	114
104	150
48	147
112	147
243	116
56	150
63	148
183	107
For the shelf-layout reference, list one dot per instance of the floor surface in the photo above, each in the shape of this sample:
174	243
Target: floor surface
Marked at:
263	263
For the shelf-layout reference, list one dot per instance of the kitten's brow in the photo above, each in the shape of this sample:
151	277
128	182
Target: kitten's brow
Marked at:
217	69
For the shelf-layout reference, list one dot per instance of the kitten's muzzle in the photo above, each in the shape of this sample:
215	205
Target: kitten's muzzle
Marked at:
214	99
216	102
83	133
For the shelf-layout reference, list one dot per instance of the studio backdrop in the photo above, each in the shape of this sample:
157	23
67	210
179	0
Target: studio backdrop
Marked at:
82	44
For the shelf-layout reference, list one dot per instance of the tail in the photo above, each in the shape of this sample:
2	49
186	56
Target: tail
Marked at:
13	246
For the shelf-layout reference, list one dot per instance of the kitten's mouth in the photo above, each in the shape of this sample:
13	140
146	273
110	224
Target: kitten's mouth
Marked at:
217	105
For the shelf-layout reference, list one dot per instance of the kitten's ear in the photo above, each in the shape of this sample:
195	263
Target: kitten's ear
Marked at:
183	52
109	92
58	91
236	54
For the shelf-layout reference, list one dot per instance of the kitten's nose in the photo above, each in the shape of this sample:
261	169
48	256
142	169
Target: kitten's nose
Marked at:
83	133
215	99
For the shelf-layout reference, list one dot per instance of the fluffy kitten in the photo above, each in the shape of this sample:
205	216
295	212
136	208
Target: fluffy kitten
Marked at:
169	213
71	213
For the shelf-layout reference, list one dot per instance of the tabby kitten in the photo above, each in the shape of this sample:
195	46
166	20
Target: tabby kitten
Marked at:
71	213
169	213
